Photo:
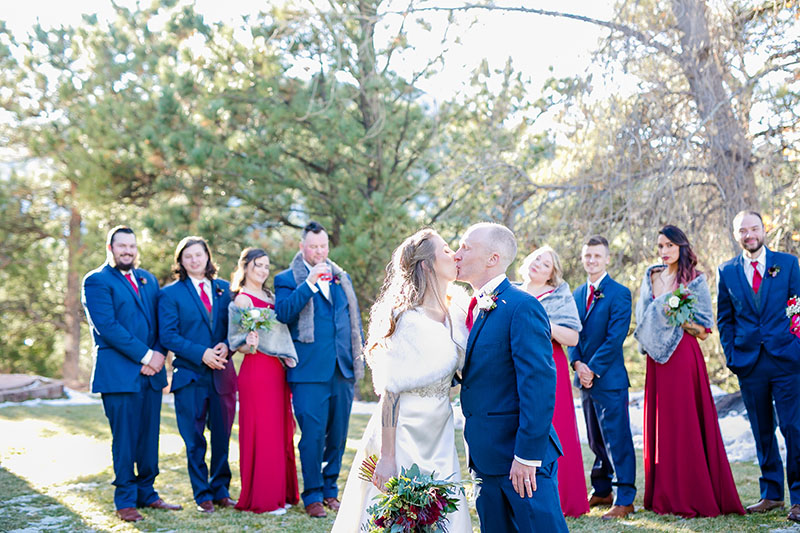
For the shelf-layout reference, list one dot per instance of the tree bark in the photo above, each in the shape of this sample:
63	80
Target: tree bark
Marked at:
72	299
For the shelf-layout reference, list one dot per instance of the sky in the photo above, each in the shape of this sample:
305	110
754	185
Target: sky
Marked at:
535	43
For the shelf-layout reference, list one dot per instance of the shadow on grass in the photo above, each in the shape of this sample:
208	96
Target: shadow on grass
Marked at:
26	509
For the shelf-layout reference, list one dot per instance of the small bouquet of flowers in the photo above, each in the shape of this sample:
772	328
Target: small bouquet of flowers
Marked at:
679	308
256	318
793	312
413	502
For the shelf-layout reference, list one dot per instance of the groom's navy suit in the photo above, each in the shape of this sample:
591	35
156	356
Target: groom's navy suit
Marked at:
605	403
124	328
203	397
507	396
754	331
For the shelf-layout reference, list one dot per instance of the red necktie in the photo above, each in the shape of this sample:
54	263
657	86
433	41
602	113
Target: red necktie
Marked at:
591	297
472	304
133	283
204	297
756	276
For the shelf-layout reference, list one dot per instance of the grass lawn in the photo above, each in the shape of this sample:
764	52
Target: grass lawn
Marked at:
55	475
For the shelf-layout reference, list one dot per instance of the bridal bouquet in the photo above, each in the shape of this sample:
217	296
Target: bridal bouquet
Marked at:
256	318
413	502
793	312
679	308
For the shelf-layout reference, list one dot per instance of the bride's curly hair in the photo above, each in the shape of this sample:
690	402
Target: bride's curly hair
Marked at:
409	275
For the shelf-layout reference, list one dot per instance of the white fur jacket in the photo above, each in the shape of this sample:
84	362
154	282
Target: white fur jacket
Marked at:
421	352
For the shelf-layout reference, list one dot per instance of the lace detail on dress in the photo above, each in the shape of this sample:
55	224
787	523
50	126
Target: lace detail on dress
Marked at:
438	390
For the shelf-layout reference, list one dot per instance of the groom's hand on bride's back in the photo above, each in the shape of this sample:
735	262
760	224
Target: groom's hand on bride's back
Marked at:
523	478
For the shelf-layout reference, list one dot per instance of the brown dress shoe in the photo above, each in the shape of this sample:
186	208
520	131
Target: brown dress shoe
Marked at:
161	504
596	501
316	510
225	502
794	513
765	505
129	514
618	511
331	503
205	507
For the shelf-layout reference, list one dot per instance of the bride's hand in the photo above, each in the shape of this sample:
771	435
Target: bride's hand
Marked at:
384	470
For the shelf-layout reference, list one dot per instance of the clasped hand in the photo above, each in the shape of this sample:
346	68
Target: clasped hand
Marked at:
585	374
217	357
155	365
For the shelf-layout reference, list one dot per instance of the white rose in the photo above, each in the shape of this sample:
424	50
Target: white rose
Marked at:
674	302
255	313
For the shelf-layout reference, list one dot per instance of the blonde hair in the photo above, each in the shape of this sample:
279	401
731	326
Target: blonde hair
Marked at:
556	277
409	275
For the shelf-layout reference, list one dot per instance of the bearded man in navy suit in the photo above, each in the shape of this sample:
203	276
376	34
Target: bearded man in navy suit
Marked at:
120	303
193	324
315	298
508	391
604	307
752	292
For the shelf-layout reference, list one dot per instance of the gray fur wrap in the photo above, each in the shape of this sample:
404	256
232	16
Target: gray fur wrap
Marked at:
656	337
305	322
561	308
276	342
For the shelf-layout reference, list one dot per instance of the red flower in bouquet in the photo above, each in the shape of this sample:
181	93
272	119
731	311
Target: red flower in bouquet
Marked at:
793	312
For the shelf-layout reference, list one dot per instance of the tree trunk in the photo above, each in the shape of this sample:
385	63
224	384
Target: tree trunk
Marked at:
726	138
369	95
72	299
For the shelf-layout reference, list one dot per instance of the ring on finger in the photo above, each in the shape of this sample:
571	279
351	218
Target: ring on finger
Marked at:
527	480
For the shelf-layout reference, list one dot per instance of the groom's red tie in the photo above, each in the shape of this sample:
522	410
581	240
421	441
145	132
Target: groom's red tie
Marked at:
756	276
591	297
472	304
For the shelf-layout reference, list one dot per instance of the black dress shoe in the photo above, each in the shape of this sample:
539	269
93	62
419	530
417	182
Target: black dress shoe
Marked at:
205	507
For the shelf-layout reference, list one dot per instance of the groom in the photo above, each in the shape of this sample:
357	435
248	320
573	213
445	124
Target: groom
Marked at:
508	391
752	289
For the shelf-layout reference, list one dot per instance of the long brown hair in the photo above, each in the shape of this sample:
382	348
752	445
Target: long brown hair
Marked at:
239	276
687	260
177	267
409	275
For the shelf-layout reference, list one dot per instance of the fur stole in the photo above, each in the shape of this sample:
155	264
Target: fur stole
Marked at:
305	322
561	308
656	337
419	353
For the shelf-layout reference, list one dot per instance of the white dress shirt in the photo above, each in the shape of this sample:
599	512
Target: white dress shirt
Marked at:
596	285
206	288
324	286
149	354
748	268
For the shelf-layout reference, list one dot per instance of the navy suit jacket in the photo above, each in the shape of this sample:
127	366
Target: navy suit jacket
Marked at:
605	327
743	326
508	385
332	345
186	329
124	326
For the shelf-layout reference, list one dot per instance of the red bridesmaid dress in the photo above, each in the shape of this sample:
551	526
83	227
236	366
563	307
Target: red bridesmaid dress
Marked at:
686	470
266	433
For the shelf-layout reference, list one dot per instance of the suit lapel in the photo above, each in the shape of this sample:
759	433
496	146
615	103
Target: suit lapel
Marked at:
582	301
481	320
128	287
187	283
143	296
747	289
598	290
766	282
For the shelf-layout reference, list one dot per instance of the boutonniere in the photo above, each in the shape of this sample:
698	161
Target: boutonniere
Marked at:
598	294
487	302
773	270
142	280
337	279
219	291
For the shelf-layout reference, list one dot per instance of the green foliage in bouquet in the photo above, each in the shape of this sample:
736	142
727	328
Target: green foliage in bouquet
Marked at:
413	502
256	319
680	306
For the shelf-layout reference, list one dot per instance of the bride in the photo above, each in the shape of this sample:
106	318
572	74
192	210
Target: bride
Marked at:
414	346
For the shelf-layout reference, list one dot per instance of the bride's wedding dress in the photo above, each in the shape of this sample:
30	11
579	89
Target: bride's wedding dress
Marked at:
418	362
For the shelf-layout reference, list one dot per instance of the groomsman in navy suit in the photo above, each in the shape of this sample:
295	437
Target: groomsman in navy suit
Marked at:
508	391
315	298
604	307
193	324
120	303
752	290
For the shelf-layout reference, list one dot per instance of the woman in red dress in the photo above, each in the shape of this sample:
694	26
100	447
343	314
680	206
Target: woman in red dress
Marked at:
542	275
686	470
266	425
